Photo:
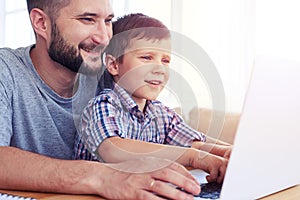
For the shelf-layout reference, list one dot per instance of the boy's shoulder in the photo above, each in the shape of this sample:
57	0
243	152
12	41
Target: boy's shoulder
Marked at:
160	104
107	95
157	103
162	107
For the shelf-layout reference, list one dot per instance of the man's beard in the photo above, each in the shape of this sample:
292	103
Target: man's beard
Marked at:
67	55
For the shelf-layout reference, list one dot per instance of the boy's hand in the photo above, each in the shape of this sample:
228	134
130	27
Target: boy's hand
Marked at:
227	151
214	165
216	149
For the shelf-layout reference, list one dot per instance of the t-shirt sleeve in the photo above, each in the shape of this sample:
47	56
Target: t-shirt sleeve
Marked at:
5	107
99	121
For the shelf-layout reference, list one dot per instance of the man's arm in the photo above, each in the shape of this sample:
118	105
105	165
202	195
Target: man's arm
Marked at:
21	170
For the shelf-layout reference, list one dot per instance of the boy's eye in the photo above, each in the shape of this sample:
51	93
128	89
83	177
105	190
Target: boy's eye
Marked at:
166	60
146	57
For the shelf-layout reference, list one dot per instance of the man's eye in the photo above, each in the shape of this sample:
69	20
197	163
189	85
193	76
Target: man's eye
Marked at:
108	21
87	19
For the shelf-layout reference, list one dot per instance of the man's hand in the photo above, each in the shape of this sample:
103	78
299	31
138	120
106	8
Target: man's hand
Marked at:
149	178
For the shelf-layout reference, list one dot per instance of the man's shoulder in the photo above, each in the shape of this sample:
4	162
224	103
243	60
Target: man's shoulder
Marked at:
6	51
11	53
13	64
12	57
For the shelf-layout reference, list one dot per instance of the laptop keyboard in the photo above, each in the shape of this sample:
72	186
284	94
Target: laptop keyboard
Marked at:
210	190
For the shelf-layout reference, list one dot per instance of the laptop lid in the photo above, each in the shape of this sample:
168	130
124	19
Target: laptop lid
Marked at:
265	157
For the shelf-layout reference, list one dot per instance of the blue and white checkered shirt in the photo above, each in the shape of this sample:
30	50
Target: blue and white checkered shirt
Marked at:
114	113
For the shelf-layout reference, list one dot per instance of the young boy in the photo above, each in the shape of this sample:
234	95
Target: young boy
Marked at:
125	121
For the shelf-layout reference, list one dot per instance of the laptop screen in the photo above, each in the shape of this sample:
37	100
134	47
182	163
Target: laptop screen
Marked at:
264	159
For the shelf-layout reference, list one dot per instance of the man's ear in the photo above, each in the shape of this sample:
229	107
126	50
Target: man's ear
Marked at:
40	23
112	64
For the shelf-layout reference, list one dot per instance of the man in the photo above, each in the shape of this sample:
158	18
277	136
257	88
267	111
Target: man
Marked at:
38	87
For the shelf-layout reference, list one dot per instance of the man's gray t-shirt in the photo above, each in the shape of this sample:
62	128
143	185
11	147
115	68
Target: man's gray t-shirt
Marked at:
33	117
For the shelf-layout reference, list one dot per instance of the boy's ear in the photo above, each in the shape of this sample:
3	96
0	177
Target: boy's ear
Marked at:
112	65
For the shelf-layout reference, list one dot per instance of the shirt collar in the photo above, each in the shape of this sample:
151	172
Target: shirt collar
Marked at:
125	98
150	109
130	104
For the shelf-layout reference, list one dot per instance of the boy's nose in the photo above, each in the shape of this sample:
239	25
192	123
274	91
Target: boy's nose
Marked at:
159	69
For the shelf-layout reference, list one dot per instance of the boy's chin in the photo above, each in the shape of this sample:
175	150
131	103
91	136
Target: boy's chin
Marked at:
152	97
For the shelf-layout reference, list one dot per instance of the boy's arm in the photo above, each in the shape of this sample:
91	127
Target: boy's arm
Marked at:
216	141
116	149
214	146
181	133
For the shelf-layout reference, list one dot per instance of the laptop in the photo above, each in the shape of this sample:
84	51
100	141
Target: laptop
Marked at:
265	156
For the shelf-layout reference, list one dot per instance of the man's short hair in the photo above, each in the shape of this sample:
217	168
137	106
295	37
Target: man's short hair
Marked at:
50	7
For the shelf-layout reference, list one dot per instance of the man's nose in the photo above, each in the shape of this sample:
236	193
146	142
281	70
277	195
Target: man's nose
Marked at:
102	34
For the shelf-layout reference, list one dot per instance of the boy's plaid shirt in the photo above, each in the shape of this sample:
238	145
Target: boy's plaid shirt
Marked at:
114	113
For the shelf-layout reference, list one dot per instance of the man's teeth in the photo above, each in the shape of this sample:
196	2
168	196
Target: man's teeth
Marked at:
87	50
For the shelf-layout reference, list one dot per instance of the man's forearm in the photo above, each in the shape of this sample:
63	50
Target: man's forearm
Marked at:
22	170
